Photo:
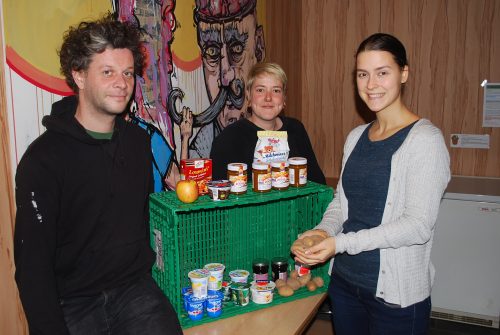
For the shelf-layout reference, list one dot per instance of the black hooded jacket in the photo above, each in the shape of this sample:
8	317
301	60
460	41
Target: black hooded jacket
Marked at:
82	215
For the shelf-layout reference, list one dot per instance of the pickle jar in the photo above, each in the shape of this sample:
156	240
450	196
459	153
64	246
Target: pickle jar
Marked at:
237	175
298	171
279	176
261	177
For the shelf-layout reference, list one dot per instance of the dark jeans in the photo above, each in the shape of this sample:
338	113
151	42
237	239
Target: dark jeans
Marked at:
137	308
356	311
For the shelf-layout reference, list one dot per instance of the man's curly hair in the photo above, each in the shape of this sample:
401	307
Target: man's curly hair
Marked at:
82	42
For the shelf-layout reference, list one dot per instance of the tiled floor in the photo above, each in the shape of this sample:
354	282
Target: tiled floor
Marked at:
323	326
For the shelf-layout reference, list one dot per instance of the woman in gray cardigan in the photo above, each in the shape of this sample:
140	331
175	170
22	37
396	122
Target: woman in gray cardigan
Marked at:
379	227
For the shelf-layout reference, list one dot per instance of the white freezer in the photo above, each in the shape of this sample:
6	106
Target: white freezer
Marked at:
466	253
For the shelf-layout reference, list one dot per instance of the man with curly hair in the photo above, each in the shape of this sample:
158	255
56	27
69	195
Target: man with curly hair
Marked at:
82	250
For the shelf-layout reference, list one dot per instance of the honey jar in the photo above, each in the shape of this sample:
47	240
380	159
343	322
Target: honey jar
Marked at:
237	175
279	176
298	171
261	177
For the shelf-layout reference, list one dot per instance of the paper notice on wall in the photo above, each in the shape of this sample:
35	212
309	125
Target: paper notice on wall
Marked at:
470	141
491	105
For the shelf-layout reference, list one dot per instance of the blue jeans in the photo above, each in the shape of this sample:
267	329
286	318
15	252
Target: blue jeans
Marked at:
136	308
357	311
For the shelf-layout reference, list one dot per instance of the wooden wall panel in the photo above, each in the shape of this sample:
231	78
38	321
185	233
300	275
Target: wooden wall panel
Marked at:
12	320
329	42
282	19
452	46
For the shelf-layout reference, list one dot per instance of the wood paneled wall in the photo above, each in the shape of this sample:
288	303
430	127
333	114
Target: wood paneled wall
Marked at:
452	46
12	320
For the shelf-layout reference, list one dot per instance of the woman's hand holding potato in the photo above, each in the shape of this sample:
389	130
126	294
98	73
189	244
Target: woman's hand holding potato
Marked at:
313	247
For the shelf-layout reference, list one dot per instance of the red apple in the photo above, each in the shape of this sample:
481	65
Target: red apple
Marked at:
187	191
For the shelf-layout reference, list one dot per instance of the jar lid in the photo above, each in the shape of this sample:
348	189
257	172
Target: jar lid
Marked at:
237	167
279	261
260	262
279	164
297	160
260	166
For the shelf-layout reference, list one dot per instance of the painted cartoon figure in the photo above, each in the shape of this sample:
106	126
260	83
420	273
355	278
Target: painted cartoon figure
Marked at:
157	21
231	42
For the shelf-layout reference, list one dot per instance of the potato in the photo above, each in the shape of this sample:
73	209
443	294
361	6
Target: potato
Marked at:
303	280
294	274
311	286
317	238
298	245
318	281
293	283
308	241
285	291
279	283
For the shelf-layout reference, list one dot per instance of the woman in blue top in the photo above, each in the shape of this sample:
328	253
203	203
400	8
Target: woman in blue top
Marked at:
380	225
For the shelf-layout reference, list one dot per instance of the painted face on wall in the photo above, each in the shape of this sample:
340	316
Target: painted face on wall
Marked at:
379	79
229	49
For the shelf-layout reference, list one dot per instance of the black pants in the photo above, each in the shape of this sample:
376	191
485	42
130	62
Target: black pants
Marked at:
138	308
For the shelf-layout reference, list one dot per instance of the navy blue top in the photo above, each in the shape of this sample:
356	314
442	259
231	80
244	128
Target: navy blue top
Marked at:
366	180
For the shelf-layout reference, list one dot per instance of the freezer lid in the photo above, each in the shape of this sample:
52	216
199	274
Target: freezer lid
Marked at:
473	189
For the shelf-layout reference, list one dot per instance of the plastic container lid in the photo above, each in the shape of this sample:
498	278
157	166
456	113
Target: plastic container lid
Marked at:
260	166
297	160
236	167
279	164
214	267
198	274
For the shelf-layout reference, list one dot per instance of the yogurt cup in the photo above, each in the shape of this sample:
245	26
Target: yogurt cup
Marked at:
214	304
195	307
262	293
216	271
239	276
199	282
219	189
240	293
186	292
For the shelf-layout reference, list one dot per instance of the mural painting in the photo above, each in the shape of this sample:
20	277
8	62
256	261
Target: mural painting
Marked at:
198	55
230	42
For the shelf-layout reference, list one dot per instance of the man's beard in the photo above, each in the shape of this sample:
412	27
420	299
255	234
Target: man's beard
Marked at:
236	96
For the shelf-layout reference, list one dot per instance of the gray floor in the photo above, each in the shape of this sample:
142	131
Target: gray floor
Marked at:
322	325
440	327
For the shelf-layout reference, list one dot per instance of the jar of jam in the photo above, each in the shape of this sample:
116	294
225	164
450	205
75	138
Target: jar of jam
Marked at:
261	177
298	171
279	176
260	267
237	175
279	268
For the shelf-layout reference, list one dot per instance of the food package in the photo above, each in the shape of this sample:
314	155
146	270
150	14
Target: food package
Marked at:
199	170
272	146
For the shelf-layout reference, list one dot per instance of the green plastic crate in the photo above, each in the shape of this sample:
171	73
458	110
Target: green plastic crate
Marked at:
232	232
